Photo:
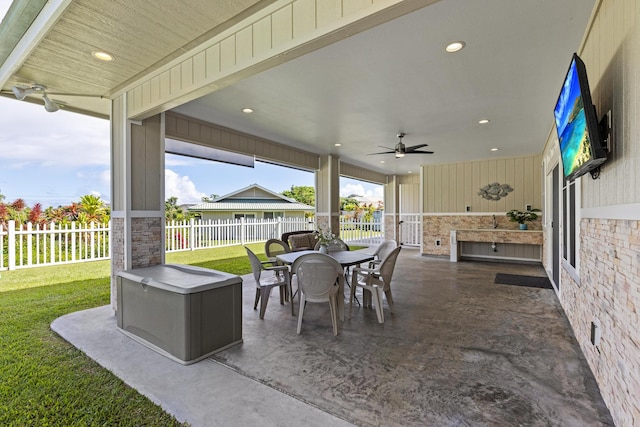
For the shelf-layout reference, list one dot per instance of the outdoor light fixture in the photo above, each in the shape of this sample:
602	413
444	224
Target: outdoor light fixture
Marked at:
50	105
455	46
102	56
22	92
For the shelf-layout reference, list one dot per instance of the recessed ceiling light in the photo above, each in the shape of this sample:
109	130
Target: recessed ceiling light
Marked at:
484	121
247	110
494	149
102	56
337	144
381	161
409	172
455	46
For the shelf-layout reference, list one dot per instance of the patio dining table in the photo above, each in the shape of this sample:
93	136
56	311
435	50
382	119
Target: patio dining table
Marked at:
345	258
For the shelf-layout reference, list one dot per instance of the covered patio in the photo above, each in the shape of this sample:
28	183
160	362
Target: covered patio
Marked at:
325	86
461	350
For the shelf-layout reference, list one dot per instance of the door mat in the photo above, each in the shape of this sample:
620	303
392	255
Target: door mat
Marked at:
530	281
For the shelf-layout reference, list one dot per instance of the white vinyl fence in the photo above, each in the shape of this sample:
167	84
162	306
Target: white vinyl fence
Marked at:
26	245
361	232
410	229
193	234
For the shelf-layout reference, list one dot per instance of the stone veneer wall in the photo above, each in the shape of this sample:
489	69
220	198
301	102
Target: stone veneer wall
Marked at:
390	232
146	247
439	227
609	293
146	242
323	222
117	256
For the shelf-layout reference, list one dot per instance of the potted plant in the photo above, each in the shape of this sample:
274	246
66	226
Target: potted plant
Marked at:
325	237
522	217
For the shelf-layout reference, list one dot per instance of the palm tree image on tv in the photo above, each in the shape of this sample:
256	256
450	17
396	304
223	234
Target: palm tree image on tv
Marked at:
571	122
574	143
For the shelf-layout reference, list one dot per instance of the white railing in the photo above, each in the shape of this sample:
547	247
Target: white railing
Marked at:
410	229
193	234
361	232
26	245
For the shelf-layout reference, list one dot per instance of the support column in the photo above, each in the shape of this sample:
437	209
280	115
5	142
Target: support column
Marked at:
391	209
137	192
328	194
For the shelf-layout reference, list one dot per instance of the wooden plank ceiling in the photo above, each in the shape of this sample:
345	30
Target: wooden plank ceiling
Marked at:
130	32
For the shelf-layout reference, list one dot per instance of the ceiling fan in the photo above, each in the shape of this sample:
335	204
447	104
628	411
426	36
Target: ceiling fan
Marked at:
400	149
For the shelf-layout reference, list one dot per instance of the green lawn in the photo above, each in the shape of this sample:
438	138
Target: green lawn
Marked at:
44	381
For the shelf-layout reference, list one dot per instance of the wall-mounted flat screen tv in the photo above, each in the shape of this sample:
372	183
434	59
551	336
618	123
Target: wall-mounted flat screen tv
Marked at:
577	124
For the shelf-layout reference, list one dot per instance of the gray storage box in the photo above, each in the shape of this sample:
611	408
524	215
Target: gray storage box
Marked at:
185	313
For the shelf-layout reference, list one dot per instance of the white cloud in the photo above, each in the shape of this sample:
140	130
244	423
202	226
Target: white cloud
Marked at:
181	187
372	194
350	189
32	137
105	178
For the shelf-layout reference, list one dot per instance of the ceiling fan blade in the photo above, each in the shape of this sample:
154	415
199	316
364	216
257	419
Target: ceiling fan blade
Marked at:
419	152
384	152
415	147
387	148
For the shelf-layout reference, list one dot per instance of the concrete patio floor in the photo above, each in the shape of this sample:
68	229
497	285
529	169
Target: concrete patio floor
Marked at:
478	354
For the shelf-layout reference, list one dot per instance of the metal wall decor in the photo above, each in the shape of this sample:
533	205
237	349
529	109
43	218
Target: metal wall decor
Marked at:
495	191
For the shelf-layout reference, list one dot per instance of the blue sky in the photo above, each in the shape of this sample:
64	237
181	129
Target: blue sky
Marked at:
55	158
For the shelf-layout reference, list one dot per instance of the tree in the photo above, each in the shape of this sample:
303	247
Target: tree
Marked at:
209	199
302	193
348	203
173	212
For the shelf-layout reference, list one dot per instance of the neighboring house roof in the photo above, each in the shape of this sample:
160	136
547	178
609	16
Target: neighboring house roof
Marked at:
252	198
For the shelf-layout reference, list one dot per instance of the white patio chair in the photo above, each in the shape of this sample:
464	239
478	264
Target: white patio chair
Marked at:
337	245
272	248
382	251
320	279
375	281
266	282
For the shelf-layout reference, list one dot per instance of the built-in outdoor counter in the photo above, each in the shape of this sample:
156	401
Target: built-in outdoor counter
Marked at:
492	235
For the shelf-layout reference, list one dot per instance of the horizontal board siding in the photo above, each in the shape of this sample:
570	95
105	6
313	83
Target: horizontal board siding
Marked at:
356	172
191	130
